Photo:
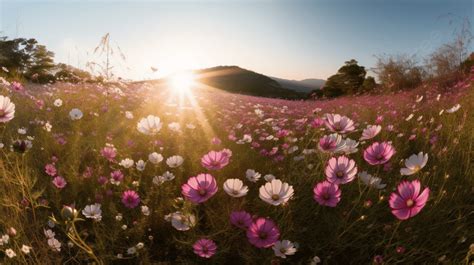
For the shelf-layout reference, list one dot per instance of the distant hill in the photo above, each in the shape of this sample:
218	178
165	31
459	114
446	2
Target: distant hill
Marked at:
304	86
238	80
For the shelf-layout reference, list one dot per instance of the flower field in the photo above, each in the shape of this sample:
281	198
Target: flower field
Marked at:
136	173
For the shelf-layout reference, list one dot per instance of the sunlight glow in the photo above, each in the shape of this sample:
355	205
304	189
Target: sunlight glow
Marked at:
182	82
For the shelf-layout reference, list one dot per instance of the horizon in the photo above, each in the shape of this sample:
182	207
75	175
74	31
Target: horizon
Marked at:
296	41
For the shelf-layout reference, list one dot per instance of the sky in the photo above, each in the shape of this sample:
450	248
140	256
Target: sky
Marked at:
286	39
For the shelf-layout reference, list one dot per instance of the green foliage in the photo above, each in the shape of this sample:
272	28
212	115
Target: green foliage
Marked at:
71	74
399	72
26	58
467	65
368	85
346	81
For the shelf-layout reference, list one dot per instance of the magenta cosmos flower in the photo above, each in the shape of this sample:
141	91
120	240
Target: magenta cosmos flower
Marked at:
241	219
340	170
215	160
130	199
205	248
379	153
338	123
263	233
408	202
200	188
327	194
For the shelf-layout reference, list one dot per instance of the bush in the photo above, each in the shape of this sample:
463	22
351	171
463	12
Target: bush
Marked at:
398	72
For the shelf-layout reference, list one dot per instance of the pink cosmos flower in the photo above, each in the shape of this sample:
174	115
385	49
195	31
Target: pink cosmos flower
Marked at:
408	202
59	182
216	141
200	188
263	233
379	153
7	109
370	132
331	143
50	169
327	194
316	123
241	219
205	248
130	199
16	86
340	170
338	123
116	177
109	152
215	160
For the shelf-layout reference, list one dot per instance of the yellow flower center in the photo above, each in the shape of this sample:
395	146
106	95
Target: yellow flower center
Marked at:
275	197
410	203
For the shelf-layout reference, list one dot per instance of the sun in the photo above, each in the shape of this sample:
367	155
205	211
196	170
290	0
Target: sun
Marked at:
182	82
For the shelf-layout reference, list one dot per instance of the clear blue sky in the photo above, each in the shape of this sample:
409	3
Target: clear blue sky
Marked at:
289	39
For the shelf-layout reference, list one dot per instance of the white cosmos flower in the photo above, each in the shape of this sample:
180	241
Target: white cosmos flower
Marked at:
174	161
49	233
284	248
54	244
7	109
454	108
269	177
21	130
369	180
150	125
155	158
127	163
25	249
180	221
350	146
128	115
75	114
235	188
316	260
58	103
167	176
145	210
140	165
414	164
370	132
4	239
276	192
252	175
10	253
174	126
93	211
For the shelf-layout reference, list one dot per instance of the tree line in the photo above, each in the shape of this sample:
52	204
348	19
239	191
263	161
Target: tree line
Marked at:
446	65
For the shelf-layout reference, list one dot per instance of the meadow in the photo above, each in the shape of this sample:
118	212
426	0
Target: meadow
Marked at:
136	173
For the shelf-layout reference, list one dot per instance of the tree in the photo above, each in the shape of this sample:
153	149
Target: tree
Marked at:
399	72
41	66
368	85
71	74
446	63
16	54
26	58
346	81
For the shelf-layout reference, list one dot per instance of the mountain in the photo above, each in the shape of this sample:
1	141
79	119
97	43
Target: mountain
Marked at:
303	86
238	80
